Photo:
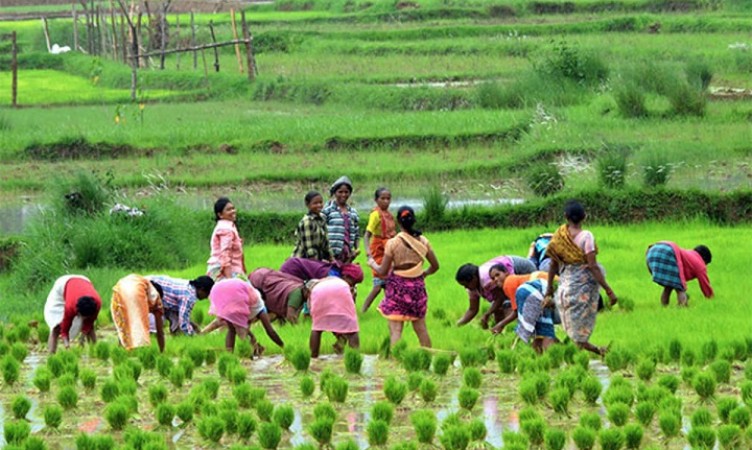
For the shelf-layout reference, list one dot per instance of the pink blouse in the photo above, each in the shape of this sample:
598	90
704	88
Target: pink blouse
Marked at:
227	247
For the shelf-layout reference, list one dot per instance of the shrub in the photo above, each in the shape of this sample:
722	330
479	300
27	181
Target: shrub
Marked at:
165	413
670	423
53	416
618	413
284	415
42	379
455	437
378	432
555	439
630	100
67	397
591	389
336	389
535	430
472	377
701	437
246	425
730	436
16	431
584	438
722	370
612	173
544	179
307	386
321	430
704	384
467	397
424	422
383	411
184	411
116	414
212	428
394	390
264	410
428	390
20	406
354	361
645	412
611	439
441	363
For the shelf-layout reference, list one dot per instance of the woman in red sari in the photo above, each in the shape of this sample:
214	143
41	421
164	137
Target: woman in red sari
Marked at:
380	229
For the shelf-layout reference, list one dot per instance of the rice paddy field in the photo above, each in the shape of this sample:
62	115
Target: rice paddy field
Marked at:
469	99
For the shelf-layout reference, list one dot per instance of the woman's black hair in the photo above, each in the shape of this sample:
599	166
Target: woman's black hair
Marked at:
159	289
310	196
499	267
574	211
203	282
466	273
705	253
86	306
406	219
378	192
219	206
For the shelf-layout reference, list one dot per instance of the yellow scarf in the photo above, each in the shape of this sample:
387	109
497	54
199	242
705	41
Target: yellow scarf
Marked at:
563	249
418	247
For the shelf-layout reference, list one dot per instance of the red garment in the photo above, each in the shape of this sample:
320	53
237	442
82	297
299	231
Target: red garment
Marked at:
76	288
691	266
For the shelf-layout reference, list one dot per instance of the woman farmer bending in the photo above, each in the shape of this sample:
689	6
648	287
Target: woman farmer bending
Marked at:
332	309
572	251
133	298
72	307
405	297
178	299
672	267
236	303
477	281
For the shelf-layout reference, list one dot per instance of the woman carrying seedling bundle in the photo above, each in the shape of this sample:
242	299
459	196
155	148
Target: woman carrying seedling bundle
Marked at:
477	282
572	251
380	229
72	307
672	267
133	298
332	309
405	298
235	302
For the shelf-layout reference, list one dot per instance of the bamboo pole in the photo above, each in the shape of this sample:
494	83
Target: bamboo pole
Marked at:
235	36
14	70
193	41
75	27
177	39
193	49
214	41
248	47
46	33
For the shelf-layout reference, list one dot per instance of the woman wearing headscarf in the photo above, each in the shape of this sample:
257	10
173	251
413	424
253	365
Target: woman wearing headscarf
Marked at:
342	222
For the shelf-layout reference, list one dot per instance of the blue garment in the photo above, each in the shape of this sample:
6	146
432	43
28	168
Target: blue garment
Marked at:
532	318
335	222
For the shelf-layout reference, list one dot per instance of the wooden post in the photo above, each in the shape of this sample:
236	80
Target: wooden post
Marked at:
193	41
75	28
235	36
248	47
14	70
134	49
163	33
114	32
216	50
46	33
177	39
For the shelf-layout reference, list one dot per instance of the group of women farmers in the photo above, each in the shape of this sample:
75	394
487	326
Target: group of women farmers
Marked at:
559	282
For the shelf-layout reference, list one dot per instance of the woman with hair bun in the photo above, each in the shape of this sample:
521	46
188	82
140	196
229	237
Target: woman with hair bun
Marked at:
405	297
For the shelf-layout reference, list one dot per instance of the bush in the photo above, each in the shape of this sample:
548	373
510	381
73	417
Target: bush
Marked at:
612	172
116	414
630	100
378	432
424	422
67	397
212	428
383	411
16	431
544	179
53	416
284	415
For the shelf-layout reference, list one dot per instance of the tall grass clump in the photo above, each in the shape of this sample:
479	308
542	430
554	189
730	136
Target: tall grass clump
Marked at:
567	61
687	99
434	205
612	169
354	361
544	179
630	100
656	170
424	422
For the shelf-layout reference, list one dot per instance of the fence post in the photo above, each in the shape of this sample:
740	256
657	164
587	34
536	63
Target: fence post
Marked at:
214	41
14	69
248	47
235	36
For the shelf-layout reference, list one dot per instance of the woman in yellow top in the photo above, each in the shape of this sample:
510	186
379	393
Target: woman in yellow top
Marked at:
380	229
133	298
405	297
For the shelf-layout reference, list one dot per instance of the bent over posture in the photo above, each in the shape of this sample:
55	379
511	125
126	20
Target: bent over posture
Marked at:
72	307
671	267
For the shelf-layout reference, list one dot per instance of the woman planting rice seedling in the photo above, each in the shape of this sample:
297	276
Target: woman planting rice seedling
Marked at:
342	222
405	298
282	293
380	229
573	251
180	296
671	267
332	309
311	233
477	281
133	298
311	269
235	302
72	307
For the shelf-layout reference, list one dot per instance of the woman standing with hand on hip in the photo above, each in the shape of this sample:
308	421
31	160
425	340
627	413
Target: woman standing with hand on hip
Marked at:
405	297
